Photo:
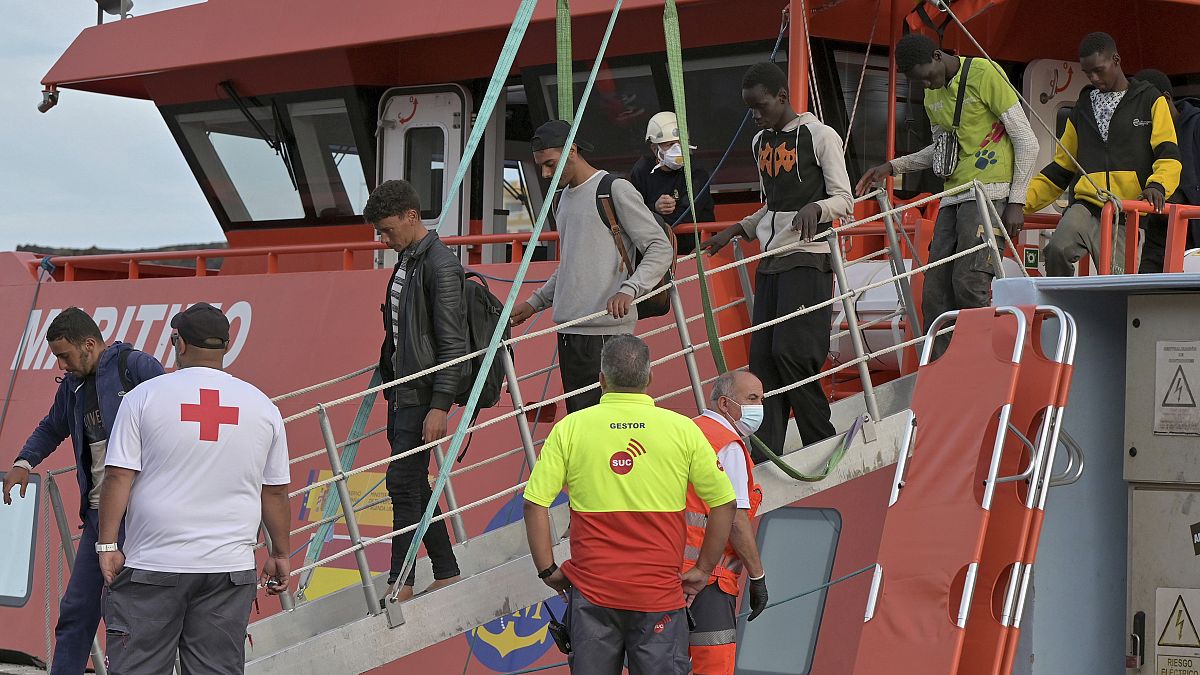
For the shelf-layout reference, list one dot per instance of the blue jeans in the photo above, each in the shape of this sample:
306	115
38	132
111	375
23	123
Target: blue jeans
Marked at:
79	610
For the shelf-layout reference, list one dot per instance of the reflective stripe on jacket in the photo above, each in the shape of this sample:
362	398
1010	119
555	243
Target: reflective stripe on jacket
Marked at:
730	566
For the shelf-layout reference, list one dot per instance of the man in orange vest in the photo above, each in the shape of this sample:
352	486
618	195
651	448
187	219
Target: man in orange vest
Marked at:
736	412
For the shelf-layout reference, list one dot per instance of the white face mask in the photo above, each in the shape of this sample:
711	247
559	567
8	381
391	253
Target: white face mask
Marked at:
751	419
671	158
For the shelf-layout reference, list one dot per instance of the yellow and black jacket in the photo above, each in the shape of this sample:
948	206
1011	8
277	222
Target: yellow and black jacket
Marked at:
1141	151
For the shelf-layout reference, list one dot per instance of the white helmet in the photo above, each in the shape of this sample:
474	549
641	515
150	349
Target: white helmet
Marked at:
663	128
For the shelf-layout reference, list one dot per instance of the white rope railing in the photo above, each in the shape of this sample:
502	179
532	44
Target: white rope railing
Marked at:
782	250
694	348
852	293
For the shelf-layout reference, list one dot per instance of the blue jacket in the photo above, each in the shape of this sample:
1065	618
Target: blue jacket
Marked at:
66	414
1187	128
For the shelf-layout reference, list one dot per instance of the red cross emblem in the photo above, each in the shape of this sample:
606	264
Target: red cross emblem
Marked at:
209	413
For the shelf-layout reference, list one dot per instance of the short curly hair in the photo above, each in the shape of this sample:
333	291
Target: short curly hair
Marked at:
392	198
766	74
914	50
1097	43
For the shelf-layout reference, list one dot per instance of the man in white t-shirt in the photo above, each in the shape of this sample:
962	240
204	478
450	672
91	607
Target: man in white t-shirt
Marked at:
199	459
736	413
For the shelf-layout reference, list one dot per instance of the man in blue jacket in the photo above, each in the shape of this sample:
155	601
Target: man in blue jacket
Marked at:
1186	114
96	377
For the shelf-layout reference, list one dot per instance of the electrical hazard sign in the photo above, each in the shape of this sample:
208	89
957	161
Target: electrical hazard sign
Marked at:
1176	376
1177	650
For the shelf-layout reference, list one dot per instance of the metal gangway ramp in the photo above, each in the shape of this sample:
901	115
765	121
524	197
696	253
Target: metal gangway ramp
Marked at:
355	629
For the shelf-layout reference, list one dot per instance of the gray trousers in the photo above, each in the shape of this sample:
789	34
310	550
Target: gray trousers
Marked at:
654	643
1078	232
152	615
965	283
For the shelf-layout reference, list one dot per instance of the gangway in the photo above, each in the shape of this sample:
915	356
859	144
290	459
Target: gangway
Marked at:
339	633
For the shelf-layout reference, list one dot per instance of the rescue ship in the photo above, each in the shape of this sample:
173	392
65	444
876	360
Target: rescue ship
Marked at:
288	113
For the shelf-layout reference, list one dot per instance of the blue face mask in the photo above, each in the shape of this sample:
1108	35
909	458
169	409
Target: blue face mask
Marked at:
751	419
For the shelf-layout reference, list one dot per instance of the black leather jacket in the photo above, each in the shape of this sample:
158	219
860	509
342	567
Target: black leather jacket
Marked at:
433	319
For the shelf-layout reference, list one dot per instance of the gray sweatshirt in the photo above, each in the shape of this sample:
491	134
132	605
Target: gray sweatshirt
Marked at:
590	270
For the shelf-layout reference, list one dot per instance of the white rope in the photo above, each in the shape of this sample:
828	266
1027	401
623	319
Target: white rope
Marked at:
703	345
390	535
782	250
854	362
327	383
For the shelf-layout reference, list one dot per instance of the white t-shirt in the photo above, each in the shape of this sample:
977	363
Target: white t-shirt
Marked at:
203	443
733	460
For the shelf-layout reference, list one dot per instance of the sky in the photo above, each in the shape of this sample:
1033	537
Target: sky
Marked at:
96	170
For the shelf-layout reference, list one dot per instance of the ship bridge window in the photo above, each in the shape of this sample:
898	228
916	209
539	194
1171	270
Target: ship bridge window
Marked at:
802	541
713	88
249	178
333	170
283	160
614	121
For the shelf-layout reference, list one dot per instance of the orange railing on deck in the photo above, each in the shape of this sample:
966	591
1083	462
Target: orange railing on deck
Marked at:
133	262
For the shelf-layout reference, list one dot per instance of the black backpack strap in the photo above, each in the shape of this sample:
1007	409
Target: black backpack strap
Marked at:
122	364
962	90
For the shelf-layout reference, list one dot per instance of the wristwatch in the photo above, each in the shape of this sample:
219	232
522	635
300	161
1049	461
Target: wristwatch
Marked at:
548	571
106	548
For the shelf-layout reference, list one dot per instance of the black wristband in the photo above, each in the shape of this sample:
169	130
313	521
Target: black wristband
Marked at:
548	571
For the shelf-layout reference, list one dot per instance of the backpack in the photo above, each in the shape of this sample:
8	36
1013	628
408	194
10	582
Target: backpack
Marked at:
483	314
127	383
656	305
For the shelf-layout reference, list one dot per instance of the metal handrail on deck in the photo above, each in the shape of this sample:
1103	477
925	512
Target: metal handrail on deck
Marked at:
846	296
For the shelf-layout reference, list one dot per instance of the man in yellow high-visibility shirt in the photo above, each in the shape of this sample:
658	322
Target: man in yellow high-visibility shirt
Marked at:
626	465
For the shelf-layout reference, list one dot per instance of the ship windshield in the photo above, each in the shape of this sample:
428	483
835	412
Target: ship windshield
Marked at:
248	177
287	160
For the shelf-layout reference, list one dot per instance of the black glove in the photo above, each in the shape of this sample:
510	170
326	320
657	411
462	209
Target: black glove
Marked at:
758	597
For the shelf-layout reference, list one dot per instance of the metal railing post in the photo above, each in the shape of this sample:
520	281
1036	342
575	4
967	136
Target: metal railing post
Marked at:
856	338
743	276
287	600
982	202
514	392
456	521
896	255
360	555
64	537
685	341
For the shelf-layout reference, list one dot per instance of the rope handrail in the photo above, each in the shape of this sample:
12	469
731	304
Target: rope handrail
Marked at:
782	250
721	339
510	490
694	348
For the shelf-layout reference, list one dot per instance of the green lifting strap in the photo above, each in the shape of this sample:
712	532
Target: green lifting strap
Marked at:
566	74
349	453
675	71
495	87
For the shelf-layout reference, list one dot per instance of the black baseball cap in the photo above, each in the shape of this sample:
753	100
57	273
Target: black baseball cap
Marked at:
553	134
202	325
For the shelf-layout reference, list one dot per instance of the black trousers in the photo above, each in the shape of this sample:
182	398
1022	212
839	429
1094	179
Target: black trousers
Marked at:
792	351
579	366
408	486
1154	246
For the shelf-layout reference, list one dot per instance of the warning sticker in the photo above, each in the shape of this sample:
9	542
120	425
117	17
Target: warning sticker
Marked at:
1177	649
1176	378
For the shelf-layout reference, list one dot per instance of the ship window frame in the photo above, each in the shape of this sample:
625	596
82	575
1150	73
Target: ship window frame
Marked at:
360	103
789	548
750	52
